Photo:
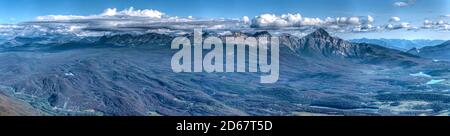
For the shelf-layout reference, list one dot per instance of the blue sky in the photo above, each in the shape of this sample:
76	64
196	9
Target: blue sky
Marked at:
24	10
414	12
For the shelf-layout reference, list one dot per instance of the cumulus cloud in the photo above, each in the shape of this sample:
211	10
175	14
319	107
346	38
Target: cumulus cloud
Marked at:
438	24
370	19
404	3
400	4
110	13
398	26
268	20
297	20
245	19
366	28
394	19
130	20
131	12
112	21
59	17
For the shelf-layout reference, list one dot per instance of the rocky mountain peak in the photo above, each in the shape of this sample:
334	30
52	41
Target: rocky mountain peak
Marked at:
319	33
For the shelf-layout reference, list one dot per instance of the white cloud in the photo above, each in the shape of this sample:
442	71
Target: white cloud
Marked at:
370	19
296	20
112	20
334	24
394	19
110	13
310	22
130	20
414	28
398	26
60	17
364	28
353	20
217	27
389	26
438	24
268	20
245	19
405	25
400	4
404	3
134	13
350	20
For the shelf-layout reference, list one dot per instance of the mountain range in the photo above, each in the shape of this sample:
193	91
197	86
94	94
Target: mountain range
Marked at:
400	44
438	52
128	74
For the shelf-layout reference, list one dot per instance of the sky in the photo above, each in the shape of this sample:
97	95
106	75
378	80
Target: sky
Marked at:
403	17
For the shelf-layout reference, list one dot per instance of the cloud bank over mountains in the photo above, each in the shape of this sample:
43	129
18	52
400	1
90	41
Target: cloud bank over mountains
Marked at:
293	20
437	25
341	24
110	13
111	21
132	20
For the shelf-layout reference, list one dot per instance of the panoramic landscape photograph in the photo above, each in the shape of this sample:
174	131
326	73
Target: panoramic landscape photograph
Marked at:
225	58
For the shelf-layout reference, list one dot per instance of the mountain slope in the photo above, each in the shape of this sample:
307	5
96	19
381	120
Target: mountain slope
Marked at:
318	74
12	107
399	44
438	52
320	45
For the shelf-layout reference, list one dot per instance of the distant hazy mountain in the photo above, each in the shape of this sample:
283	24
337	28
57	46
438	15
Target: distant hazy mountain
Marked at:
39	43
400	44
136	40
438	52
